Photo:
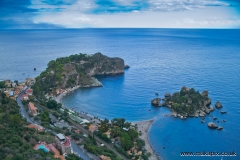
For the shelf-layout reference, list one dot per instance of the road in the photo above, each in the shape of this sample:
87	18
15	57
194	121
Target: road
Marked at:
97	138
25	115
22	109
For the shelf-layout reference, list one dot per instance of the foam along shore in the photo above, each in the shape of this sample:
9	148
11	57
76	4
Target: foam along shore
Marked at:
143	127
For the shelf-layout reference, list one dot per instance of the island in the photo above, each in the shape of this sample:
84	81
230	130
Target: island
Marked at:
68	73
186	103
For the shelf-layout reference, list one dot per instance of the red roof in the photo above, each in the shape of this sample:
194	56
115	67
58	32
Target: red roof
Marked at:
67	142
29	91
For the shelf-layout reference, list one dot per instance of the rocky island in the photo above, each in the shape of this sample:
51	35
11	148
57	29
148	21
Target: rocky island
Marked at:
187	102
63	74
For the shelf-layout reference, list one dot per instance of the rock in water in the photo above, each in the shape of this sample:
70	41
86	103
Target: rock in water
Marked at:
205	93
156	102
218	105
212	125
126	66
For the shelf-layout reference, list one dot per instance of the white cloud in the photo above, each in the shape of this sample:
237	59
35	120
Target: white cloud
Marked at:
160	14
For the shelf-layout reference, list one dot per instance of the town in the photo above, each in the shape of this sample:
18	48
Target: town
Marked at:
70	134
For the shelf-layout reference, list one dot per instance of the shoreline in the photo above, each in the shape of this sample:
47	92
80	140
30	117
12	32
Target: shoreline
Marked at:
142	126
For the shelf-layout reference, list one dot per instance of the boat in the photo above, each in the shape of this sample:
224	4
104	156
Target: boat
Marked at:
214	118
223	112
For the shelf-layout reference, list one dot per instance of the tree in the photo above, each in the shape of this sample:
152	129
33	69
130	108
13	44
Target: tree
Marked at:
2	85
15	119
126	141
73	157
52	104
133	133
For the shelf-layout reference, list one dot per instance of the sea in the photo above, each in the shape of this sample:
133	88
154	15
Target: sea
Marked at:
160	60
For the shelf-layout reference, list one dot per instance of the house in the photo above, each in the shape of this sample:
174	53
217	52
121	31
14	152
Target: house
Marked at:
92	128
29	92
37	127
17	90
108	133
32	109
102	157
63	143
24	97
8	83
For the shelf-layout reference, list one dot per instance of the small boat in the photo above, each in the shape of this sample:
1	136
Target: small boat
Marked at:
214	118
34	69
223	112
219	128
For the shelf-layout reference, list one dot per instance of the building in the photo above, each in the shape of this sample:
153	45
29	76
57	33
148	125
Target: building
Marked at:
24	97
32	109
8	83
63	143
92	128
102	157
29	92
37	127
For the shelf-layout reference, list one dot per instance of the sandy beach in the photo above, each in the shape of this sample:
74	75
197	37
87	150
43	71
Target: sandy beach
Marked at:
143	127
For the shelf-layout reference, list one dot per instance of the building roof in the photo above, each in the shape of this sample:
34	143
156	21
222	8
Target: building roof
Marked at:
34	126
67	143
60	136
32	108
29	91
102	157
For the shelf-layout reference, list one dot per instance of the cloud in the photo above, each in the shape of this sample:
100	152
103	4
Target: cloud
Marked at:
107	13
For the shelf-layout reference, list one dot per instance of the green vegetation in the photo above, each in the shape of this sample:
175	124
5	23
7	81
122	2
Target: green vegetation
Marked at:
73	157
187	101
2	84
123	134
16	140
67	72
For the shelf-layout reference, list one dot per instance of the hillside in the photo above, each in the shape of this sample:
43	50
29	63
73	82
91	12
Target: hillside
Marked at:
76	70
16	140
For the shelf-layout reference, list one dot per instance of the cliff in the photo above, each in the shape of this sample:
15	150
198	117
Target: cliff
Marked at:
76	70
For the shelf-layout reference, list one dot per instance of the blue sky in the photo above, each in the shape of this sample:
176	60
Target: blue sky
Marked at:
50	14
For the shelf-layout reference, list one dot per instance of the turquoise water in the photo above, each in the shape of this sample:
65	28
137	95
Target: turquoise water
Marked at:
161	60
43	147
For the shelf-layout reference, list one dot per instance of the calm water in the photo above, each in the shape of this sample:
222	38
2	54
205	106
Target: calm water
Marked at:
161	60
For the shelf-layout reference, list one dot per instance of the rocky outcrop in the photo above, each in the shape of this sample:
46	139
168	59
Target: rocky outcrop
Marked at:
212	125
126	66
205	93
218	105
167	95
156	102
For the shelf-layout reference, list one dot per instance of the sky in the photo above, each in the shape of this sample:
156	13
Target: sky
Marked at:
52	14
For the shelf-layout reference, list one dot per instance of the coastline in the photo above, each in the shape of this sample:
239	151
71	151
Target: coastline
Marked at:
143	127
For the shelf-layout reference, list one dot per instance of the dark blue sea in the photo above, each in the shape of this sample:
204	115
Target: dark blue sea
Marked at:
161	60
